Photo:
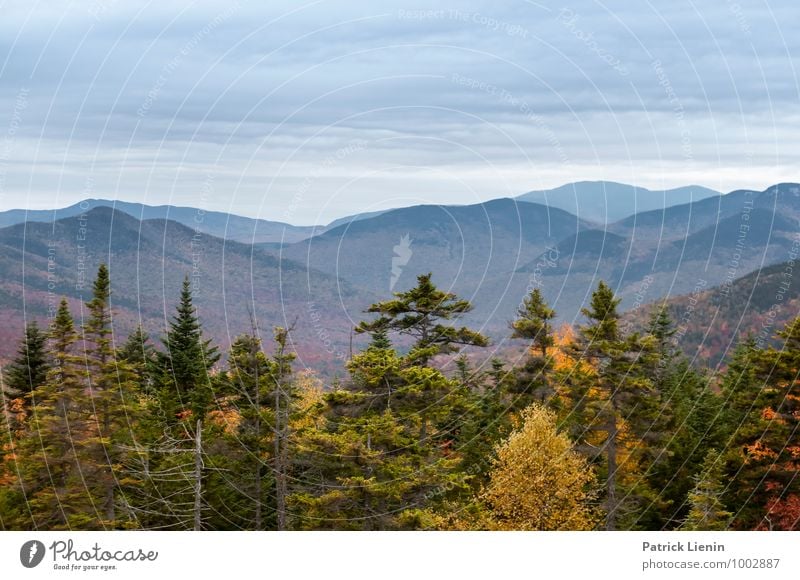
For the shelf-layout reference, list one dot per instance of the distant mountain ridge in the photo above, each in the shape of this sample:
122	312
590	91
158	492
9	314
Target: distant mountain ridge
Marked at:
219	224
605	202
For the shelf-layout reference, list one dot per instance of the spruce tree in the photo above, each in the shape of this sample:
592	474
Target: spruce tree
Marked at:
707	511
185	364
115	401
140	355
616	412
29	369
533	322
387	451
56	460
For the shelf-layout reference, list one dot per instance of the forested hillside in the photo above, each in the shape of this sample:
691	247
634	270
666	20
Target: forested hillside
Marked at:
594	428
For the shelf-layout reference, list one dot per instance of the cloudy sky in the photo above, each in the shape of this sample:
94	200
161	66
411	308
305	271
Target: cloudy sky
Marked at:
304	112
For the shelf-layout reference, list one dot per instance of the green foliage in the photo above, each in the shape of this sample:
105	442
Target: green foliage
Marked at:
533	322
185	364
419	313
707	511
29	369
613	406
96	437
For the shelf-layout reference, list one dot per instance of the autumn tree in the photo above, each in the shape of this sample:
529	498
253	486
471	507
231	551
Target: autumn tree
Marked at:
768	438
538	482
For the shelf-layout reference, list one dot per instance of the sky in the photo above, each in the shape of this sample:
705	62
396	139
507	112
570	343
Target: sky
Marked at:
306	112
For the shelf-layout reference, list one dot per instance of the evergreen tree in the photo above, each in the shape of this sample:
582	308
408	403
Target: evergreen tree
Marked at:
691	423
707	511
420	313
616	411
381	457
744	398
533	322
769	442
115	402
188	358
55	458
531	382
140	356
29	369
251	376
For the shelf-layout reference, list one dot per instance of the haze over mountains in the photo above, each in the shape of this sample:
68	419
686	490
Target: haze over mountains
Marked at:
491	253
607	201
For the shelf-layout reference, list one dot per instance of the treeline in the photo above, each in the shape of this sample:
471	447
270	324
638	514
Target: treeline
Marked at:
596	428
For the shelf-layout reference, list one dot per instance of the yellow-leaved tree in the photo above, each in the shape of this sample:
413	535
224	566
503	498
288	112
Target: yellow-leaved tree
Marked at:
538	482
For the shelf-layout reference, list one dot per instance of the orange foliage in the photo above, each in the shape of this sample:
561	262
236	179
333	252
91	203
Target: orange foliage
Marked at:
783	513
758	451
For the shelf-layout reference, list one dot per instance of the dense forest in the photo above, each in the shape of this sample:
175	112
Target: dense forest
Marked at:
597	427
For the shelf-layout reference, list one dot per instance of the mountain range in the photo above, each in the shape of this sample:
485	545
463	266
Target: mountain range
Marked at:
322	279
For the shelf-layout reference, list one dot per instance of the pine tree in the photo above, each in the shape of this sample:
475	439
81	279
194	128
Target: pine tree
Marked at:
530	382
382	455
29	369
538	482
707	511
419	313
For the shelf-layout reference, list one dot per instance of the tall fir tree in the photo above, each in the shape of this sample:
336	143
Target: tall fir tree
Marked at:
115	402
707	510
615	412
531	381
185	364
140	355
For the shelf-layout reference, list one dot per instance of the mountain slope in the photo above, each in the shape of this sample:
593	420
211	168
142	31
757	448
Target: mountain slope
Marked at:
711	322
40	262
472	250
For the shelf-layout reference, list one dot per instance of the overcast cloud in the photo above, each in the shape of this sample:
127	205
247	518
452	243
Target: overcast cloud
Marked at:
307	112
